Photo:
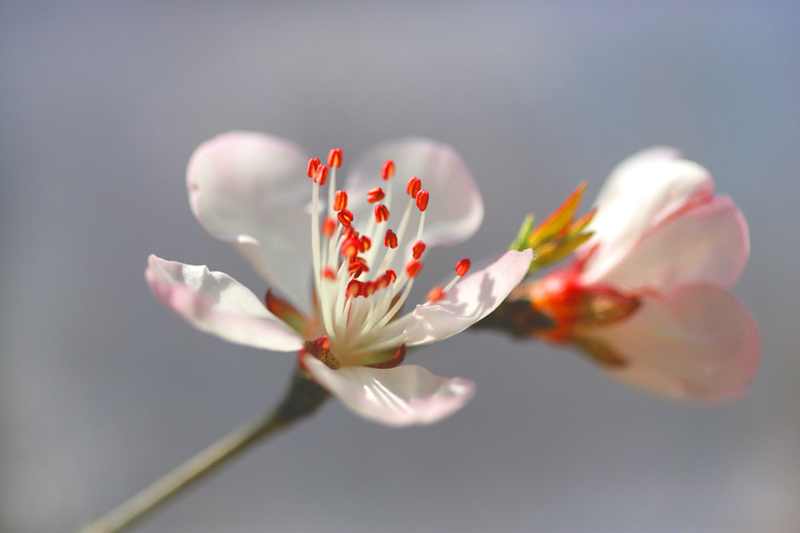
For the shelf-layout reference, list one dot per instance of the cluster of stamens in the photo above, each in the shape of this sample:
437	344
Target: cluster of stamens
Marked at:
358	295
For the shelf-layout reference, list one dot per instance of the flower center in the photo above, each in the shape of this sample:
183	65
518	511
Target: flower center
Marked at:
358	295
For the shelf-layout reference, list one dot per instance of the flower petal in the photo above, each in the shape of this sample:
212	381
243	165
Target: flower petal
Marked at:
472	298
251	189
404	396
700	343
215	303
706	244
641	193
455	208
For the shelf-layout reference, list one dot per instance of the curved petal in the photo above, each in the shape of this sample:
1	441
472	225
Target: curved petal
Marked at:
700	343
472	298
706	244
251	189
215	303
641	192
404	396
455	208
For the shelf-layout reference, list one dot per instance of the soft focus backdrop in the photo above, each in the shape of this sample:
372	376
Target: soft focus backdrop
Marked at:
103	390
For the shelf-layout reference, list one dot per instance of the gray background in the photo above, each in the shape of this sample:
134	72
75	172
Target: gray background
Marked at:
102	389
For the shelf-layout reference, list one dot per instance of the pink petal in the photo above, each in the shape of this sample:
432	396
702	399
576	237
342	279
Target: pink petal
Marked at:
700	344
706	244
641	192
215	303
404	396
455	208
473	297
252	189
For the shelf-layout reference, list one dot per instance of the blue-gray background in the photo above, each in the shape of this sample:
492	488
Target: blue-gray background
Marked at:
102	389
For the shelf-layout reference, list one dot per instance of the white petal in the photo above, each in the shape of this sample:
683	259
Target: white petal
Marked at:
472	298
215	303
404	396
455	208
707	243
252	189
700	343
641	193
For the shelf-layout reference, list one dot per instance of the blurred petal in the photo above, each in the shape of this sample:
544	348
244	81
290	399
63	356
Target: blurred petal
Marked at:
642	192
403	396
455	209
700	343
216	303
472	298
706	244
252	189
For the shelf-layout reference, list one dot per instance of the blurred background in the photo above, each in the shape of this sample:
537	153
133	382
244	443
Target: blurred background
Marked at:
103	390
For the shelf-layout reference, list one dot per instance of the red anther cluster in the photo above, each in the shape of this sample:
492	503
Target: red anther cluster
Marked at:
387	171
335	158
413	267
413	187
328	227
328	273
381	213
390	240
418	249
350	247
422	200
312	166
375	194
435	294
321	175
462	267
345	217
340	201
364	243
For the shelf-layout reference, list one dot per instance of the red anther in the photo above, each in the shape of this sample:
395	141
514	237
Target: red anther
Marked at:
353	289
340	201
345	217
413	187
382	282
328	227
312	166
357	266
350	247
413	267
364	243
335	158
350	232
390	240
418	248
328	273
435	294
462	267
381	213
422	200
321	175
388	170
375	194
368	289
391	275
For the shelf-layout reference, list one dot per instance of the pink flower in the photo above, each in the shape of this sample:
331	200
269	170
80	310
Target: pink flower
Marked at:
360	254
646	295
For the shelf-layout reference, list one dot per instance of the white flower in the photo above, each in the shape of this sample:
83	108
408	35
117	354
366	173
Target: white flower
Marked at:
647	294
252	190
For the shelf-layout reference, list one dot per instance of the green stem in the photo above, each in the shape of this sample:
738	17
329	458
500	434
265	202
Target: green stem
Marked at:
303	398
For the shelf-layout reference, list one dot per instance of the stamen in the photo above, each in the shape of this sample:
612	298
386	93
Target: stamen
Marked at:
381	213
345	217
413	187
328	273
353	289
312	166
357	266
392	276
335	158
321	175
375	194
462	267
341	201
390	241
418	249
350	247
387	171
364	243
435	294
413	267
328	227
422	200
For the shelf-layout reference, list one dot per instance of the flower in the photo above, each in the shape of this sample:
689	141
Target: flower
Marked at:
251	189
646	295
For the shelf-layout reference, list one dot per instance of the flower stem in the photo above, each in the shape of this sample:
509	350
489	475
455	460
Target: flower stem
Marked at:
302	399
